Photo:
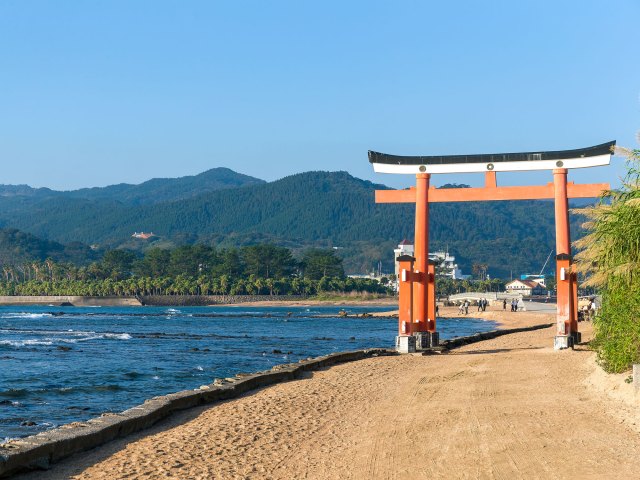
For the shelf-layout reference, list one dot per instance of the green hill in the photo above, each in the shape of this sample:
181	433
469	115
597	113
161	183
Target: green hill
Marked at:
329	209
18	248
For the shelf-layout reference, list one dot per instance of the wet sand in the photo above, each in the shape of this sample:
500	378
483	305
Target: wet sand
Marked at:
510	407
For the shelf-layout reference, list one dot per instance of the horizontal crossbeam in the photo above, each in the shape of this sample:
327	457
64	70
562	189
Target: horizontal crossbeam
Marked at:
488	193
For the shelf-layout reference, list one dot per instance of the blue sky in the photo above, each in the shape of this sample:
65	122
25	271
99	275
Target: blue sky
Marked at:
95	93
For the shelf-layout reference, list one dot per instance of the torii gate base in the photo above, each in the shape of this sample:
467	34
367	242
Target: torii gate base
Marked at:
414	335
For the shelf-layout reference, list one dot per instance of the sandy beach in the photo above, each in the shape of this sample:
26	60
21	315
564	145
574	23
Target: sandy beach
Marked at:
510	407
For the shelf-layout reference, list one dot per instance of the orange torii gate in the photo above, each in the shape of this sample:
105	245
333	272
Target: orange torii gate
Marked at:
417	319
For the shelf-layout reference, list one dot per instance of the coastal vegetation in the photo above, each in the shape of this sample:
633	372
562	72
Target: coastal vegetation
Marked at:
262	269
610	258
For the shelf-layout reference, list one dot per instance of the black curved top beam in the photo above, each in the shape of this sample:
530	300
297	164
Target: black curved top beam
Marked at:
596	150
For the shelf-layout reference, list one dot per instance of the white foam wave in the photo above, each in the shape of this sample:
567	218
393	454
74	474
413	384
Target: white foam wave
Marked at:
25	343
26	315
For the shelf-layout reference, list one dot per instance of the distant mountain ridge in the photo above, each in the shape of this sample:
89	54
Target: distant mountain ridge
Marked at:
156	190
326	209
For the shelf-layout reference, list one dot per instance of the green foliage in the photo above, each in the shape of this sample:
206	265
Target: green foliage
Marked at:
268	261
318	263
617	326
17	247
610	258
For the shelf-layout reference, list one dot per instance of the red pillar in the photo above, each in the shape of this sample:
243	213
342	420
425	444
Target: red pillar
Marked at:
405	294
574	302
431	297
563	286
421	251
563	253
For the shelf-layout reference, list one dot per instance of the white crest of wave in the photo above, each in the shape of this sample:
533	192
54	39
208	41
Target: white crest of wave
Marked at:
27	315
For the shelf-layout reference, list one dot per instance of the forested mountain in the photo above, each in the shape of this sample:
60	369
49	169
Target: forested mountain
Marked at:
160	190
17	248
326	209
156	190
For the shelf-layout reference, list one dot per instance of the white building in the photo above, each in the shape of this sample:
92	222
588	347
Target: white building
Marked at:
447	265
525	288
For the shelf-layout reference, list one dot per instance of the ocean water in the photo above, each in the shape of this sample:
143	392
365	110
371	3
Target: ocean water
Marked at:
65	364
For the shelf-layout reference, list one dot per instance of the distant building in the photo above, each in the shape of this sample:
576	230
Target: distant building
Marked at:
536	278
143	235
525	288
404	248
447	266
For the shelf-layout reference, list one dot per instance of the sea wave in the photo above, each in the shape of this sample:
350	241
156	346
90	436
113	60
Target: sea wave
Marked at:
49	338
26	315
26	343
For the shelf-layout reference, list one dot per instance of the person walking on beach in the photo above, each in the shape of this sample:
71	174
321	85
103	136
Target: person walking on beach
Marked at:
480	305
466	307
504	304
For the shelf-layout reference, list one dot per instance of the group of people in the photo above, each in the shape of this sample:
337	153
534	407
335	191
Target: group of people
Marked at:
464	306
514	304
482	304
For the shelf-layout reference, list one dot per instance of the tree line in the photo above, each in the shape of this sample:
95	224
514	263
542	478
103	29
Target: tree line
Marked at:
262	269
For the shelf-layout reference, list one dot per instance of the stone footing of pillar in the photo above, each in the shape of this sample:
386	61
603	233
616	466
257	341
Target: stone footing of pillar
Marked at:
577	337
406	344
426	340
561	342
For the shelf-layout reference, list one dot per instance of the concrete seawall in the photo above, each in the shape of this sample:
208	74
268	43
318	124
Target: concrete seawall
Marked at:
75	300
204	300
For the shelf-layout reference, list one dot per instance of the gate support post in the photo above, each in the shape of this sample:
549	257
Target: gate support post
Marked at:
563	338
566	304
433	338
405	341
421	251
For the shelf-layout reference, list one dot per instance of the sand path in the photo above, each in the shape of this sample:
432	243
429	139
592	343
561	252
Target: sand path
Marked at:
500	409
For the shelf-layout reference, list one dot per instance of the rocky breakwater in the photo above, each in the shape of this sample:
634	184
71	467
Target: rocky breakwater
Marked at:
71	300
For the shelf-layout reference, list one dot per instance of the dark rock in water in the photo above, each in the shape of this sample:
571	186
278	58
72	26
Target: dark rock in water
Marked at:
195	349
6	402
352	338
84	409
206	349
63	348
66	304
275	350
28	424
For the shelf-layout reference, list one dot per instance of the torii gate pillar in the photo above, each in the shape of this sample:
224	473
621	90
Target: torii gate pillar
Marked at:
566	280
424	291
421	251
